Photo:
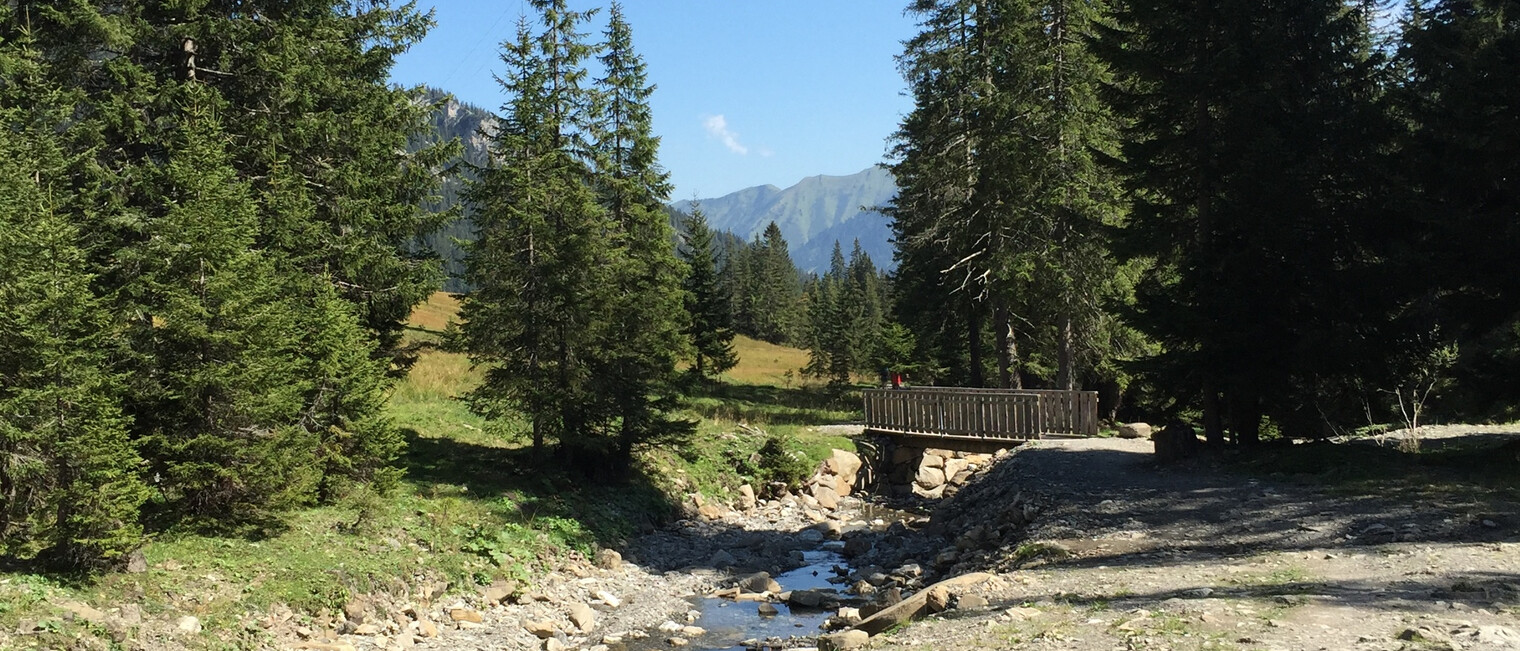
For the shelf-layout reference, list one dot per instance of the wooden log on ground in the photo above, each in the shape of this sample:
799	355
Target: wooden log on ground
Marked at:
916	606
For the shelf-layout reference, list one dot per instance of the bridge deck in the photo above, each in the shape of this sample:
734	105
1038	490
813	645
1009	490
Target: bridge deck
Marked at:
960	417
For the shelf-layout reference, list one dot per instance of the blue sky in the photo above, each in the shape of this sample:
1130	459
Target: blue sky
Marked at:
749	93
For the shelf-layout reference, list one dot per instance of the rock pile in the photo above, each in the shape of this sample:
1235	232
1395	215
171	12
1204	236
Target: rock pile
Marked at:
932	473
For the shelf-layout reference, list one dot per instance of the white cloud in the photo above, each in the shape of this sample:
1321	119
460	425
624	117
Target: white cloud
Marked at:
717	127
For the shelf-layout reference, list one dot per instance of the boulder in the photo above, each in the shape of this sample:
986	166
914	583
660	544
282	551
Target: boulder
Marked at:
938	599
83	611
826	497
930	477
805	598
712	511
953	468
931	460
137	563
746	497
1135	431
844	465
929	493
768	610
831	529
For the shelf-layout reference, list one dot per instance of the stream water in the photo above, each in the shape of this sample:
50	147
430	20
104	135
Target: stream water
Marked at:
730	623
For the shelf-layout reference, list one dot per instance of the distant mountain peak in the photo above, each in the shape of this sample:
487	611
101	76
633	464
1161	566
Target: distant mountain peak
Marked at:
812	214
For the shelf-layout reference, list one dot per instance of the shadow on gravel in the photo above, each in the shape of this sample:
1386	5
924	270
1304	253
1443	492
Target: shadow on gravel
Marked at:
1116	507
1479	589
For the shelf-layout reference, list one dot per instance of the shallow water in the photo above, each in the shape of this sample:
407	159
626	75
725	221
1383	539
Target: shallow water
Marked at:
730	622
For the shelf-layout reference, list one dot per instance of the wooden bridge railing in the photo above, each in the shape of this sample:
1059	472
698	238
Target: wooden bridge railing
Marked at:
1011	414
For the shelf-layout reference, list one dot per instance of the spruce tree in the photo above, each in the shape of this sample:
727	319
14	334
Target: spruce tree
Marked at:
1250	126
70	484
1455	247
540	262
707	301
220	398
635	365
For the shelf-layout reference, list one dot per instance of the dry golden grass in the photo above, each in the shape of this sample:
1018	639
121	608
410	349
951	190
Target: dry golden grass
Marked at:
436	313
440	374
766	363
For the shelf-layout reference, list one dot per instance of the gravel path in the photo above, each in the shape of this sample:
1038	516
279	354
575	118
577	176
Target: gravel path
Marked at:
1128	555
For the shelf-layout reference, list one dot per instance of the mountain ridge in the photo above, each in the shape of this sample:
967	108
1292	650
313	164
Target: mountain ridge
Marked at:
813	214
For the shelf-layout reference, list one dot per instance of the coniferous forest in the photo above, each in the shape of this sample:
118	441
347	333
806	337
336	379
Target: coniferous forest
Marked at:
1267	219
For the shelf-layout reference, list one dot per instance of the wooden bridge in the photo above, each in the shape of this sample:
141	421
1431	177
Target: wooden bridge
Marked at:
963	419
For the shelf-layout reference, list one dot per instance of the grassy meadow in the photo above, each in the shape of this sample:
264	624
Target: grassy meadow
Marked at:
471	509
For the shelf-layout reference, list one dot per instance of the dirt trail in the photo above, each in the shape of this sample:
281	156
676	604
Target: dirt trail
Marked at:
1139	556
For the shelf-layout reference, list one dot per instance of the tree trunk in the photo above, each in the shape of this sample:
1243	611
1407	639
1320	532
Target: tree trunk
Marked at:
1066	358
1245	418
974	344
1213	426
1007	350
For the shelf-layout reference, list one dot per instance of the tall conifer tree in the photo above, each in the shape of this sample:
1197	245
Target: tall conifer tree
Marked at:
636	363
70	484
540	262
707	300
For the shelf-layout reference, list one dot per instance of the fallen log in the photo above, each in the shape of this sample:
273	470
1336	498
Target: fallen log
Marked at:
917	606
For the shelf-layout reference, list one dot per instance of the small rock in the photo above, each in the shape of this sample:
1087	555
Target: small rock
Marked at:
608	598
498	592
768	610
1490	524
810	536
970	602
609	559
722	559
677	641
356	610
670	627
759	582
1135	431
1021	613
541	629
465	615
553	644
938	600
583	617
1198	593
746	497
83	611
137	563
188	624
427	628
693	631
844	640
366	629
